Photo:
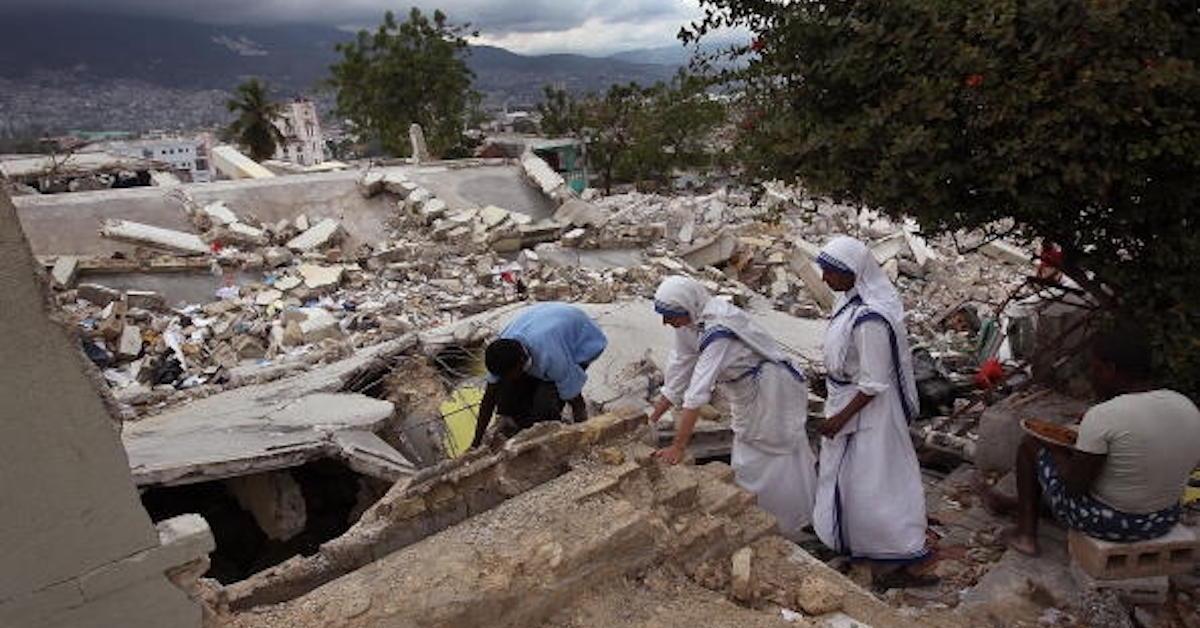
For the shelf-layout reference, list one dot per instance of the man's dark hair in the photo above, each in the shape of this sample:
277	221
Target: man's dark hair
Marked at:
504	355
1126	349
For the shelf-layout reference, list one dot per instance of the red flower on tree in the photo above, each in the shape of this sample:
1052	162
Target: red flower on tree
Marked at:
756	45
974	80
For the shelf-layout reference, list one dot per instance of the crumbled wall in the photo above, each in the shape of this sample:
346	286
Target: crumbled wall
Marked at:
68	507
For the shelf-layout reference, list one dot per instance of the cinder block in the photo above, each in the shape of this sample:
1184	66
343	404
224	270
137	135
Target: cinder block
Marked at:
1172	553
1135	591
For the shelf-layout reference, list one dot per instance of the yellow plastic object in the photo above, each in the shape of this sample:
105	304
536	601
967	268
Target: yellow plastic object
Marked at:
461	413
1191	494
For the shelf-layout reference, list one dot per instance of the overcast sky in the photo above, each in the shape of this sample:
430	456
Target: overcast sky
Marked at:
527	26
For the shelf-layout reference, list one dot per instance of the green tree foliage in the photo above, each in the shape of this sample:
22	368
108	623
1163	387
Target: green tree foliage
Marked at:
639	134
561	114
404	73
1075	119
254	129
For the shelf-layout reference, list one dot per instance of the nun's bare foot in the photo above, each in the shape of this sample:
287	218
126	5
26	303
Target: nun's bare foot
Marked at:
1024	543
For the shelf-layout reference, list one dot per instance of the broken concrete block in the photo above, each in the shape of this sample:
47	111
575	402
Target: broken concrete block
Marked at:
65	271
249	348
805	268
1146	590
96	294
581	213
492	216
317	277
145	300
149	235
508	244
246	233
542	174
301	223
318	236
574	238
1174	553
397	183
276	256
921	250
1005	252
818	596
433	209
275	500
710	252
130	344
370	184
219	213
267	297
287	283
417	198
889	247
742	575
318	324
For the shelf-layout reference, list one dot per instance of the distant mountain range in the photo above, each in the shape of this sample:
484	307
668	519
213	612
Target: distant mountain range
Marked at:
185	55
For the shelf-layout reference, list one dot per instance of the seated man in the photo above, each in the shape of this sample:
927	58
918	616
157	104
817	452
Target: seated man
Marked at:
537	366
1124	479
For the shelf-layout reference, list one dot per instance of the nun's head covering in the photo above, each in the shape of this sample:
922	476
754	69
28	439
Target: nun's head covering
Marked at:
681	296
848	255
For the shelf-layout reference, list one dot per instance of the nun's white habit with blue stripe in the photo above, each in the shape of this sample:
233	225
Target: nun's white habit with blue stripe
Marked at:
870	501
768	397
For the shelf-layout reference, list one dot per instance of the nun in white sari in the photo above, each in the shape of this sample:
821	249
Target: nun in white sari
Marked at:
718	344
870	502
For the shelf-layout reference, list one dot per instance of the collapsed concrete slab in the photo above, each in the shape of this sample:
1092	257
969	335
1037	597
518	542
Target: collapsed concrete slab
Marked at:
235	434
158	237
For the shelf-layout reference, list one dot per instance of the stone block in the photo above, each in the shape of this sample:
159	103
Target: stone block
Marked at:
65	271
741	569
1174	553
145	300
318	277
318	236
130	344
818	596
276	256
433	209
274	500
370	184
96	294
1135	591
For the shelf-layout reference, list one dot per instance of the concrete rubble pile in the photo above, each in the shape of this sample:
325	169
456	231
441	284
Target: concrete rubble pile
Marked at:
290	294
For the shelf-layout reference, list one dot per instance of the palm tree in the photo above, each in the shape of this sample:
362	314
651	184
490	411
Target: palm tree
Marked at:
255	128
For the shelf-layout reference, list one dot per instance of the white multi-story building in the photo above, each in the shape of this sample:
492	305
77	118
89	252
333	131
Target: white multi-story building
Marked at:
303	142
185	154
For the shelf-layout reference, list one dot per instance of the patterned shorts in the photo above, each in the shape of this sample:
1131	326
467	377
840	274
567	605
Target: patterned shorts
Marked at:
1095	518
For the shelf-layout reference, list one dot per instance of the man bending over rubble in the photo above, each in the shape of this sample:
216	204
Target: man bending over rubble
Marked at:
1123	479
537	366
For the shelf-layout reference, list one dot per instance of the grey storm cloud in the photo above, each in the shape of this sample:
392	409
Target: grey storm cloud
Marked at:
495	17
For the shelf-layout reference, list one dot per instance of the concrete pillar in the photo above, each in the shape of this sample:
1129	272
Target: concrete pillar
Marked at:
275	500
420	151
79	549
